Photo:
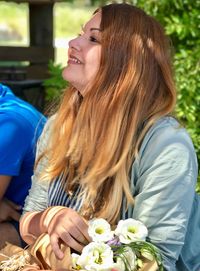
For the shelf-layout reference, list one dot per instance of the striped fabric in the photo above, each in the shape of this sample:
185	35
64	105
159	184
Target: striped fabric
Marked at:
58	196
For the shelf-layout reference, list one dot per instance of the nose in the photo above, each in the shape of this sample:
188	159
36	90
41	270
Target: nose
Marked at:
75	44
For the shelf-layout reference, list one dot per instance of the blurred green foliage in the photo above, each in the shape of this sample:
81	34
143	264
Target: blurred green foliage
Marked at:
8	14
55	84
69	17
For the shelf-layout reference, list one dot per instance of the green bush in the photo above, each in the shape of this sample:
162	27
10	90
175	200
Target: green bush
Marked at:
54	86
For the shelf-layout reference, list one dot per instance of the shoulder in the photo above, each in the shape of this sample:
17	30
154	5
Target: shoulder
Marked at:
44	138
166	131
16	108
19	126
48	127
10	122
166	146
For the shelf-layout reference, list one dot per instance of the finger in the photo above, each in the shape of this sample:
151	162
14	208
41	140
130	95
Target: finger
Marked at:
67	226
14	205
71	242
54	240
15	215
82	225
76	234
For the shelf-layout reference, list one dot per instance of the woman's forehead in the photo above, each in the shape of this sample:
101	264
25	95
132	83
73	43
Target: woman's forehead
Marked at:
94	22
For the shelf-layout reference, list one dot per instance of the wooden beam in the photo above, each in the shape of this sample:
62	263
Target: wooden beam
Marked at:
35	1
18	73
33	54
37	71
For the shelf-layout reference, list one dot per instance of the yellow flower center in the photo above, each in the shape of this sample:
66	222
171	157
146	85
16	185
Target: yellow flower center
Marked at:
99	230
132	229
98	259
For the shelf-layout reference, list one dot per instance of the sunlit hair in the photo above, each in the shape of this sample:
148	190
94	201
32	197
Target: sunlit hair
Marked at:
95	139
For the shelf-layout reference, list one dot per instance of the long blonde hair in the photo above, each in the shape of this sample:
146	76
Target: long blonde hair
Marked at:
95	139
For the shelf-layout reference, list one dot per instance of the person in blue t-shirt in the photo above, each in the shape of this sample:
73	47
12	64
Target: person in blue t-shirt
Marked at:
20	126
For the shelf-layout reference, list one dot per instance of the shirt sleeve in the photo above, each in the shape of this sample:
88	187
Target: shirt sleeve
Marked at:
14	142
37	199
165	188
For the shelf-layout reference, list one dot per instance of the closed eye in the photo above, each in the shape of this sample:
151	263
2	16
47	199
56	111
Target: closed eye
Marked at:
93	39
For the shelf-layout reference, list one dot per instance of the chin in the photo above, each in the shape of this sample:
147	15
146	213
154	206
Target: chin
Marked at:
65	74
68	76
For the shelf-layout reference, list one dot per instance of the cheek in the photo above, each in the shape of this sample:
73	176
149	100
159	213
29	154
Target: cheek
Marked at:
93	62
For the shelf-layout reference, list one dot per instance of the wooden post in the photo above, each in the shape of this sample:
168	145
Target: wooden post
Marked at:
41	48
41	24
41	33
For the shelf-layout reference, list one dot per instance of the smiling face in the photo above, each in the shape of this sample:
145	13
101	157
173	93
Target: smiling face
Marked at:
84	55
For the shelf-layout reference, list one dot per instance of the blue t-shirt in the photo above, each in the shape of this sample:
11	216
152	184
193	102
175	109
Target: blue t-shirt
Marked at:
20	126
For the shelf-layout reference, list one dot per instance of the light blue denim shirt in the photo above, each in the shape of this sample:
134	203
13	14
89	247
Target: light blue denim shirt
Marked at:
163	180
163	184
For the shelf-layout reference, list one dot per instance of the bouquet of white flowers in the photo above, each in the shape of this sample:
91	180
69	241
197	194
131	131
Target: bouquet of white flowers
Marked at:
122	249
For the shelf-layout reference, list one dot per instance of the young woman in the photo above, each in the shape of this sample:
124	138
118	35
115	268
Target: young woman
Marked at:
112	150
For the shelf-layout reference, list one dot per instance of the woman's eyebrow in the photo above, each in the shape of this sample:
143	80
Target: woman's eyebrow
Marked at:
91	29
95	28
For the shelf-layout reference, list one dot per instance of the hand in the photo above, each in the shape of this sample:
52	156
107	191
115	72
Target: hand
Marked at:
68	227
9	210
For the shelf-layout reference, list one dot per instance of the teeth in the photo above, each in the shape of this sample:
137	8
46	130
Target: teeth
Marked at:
75	60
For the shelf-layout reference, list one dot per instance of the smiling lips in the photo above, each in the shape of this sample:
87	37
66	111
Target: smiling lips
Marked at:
73	60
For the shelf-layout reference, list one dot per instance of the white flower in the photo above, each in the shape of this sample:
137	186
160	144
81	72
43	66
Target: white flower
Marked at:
129	258
75	264
131	230
96	256
99	230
